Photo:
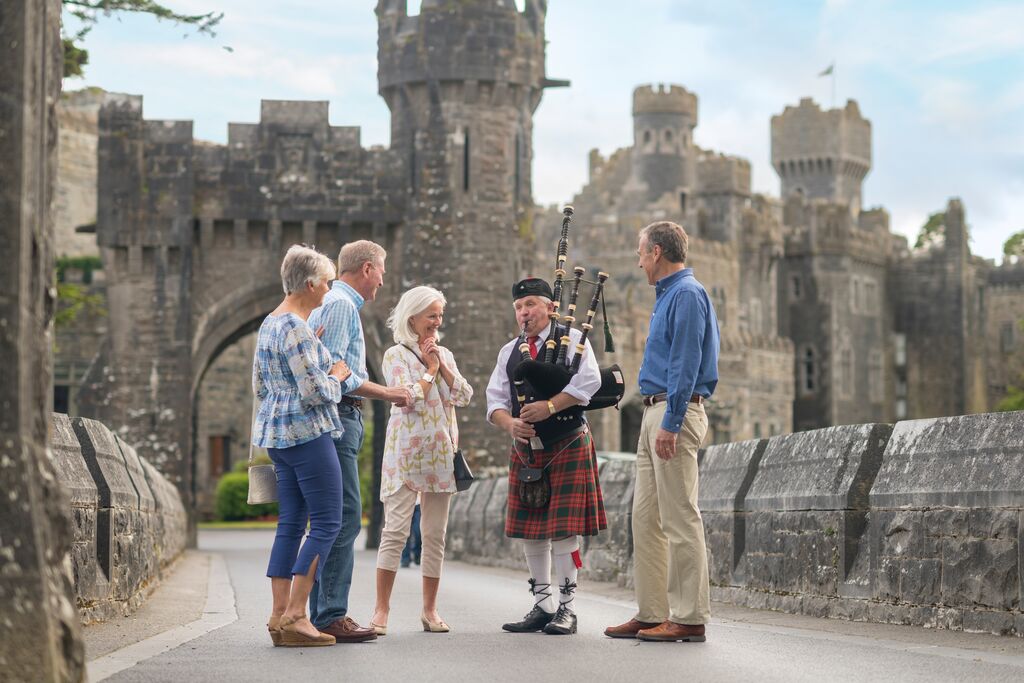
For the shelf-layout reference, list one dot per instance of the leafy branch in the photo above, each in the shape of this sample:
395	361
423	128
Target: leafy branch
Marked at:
88	13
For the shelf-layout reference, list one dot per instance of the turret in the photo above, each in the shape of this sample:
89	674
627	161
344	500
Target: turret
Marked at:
822	154
462	80
663	151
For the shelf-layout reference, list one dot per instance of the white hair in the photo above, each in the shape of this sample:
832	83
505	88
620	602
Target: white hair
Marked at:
354	254
413	302
303	264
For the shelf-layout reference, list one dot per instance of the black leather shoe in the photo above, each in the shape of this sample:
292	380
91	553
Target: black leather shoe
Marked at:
534	621
563	624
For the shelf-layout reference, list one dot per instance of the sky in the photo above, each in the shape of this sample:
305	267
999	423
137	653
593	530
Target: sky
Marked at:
942	83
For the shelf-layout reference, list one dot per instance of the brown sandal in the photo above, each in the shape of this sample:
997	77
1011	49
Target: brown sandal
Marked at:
292	638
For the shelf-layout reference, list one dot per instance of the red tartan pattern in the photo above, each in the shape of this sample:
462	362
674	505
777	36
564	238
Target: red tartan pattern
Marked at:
576	507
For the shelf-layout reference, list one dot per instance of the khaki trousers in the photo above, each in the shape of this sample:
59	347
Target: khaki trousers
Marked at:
670	561
398	508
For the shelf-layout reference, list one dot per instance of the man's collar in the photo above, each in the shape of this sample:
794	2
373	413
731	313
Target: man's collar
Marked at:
543	334
343	287
669	280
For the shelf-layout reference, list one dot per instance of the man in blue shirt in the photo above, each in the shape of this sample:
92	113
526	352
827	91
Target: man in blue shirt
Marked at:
678	374
360	275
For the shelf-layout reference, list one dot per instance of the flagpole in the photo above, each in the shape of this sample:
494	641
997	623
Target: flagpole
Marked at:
833	84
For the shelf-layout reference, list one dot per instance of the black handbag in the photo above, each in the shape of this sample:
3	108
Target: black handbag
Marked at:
463	476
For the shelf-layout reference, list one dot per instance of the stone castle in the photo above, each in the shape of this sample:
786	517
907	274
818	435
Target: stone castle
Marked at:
827	317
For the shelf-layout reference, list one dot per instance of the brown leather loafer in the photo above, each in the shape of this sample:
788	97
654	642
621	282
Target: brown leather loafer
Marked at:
627	630
345	630
672	632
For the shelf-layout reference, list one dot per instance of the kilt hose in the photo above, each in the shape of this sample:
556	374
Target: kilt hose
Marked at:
576	507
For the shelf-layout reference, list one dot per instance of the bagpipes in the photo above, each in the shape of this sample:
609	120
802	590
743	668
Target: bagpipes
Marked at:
551	371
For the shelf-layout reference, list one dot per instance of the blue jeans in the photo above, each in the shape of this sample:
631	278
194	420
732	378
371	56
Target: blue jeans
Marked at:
328	601
308	487
413	546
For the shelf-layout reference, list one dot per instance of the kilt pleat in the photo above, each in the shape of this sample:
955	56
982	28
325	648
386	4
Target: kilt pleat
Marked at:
576	507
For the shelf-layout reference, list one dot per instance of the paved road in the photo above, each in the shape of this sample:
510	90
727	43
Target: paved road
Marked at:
742	644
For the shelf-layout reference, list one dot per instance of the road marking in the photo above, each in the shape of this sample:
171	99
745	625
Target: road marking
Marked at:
219	611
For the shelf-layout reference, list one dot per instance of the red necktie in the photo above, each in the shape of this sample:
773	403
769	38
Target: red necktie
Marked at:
533	347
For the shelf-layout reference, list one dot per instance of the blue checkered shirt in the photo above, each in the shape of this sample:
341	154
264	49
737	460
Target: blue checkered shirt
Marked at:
343	331
297	397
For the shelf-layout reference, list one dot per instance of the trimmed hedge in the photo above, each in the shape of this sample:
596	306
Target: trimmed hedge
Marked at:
232	493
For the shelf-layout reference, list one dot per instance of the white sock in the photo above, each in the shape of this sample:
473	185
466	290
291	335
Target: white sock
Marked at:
566	571
538	559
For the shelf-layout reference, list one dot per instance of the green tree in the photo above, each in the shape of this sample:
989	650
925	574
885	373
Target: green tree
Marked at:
932	231
1013	248
88	12
1014	399
73	298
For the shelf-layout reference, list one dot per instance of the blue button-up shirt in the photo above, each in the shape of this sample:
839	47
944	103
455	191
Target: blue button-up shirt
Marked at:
343	331
681	355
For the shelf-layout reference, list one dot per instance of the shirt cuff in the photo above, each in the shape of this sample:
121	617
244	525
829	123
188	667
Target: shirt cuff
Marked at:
577	394
496	406
672	423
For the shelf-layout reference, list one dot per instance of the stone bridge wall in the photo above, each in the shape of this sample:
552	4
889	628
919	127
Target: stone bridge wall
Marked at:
129	521
919	523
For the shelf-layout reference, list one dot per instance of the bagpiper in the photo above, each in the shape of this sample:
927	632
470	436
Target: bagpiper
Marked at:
554	494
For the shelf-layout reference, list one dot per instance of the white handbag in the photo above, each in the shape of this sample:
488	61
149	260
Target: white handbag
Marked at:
262	478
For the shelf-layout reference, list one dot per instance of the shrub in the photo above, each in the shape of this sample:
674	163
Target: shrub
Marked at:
231	505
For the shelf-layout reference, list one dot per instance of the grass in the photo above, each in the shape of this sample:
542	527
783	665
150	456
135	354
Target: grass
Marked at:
244	524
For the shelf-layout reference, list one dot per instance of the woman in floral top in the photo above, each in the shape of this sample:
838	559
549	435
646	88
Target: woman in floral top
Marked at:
419	449
298	388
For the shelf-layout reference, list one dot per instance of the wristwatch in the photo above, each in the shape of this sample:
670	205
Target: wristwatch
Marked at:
427	377
551	407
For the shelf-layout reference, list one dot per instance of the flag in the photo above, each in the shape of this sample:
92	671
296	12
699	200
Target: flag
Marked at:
829	70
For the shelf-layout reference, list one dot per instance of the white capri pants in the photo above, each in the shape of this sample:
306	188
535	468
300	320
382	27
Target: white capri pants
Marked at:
398	509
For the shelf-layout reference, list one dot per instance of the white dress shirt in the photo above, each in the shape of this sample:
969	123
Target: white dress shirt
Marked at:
581	387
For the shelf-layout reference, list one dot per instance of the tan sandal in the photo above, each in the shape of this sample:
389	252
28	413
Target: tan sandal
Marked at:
292	638
274	628
434	626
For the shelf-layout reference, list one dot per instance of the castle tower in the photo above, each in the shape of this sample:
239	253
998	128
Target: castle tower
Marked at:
462	81
663	158
822	154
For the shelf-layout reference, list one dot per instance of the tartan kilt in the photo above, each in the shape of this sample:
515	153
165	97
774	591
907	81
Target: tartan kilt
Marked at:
576	507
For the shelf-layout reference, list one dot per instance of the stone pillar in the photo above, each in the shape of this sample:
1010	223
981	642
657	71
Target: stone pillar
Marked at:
42	637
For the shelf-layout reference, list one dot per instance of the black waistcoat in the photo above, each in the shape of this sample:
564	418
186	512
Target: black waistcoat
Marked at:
558	425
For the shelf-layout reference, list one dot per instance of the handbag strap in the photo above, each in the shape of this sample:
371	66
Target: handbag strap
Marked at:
448	421
252	422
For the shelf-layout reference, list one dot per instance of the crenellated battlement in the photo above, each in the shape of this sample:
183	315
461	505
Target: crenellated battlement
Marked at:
662	99
469	40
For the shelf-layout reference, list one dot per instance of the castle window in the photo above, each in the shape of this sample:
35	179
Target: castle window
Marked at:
1006	338
682	203
846	372
899	350
465	161
667	135
876	378
855	298
518	167
901	409
650	142
412	162
795	287
870	296
808	372
757	430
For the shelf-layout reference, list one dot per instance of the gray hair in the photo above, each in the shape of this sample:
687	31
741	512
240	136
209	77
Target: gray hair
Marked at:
354	254
413	302
670	237
303	264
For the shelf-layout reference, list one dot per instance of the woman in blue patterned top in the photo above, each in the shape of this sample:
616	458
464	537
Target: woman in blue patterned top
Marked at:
298	389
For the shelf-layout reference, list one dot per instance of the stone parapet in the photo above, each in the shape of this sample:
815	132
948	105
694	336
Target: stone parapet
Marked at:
918	523
129	521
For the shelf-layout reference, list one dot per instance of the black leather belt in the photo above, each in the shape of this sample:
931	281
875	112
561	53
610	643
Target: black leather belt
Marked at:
658	398
352	401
